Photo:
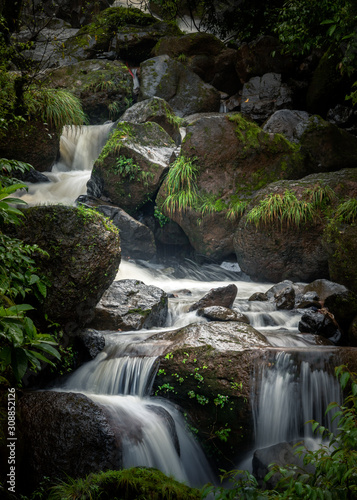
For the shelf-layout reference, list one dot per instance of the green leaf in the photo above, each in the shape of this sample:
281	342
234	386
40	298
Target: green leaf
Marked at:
345	377
5	355
49	349
19	363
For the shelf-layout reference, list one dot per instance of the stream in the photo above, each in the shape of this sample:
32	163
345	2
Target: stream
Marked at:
287	392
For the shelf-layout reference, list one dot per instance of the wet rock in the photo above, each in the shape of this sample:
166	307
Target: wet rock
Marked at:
137	240
290	123
63	434
234	157
132	164
323	288
281	454
285	299
261	96
343	305
155	110
35	177
258	296
320	322
91	341
84	256
100	101
184	90
131	305
33	142
219	313
222	296
309	299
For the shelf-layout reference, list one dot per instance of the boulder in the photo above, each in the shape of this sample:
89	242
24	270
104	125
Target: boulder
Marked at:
274	251
320	322
326	147
56	444
104	87
132	165
208	366
343	305
323	288
281	454
75	13
122	33
259	57
205	55
32	142
131	305
233	158
137	240
223	296
261	96
84	256
340	243
91	342
285	299
155	110
184	90
220	313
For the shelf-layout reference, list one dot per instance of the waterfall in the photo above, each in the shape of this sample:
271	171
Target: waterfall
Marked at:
288	392
152	432
80	146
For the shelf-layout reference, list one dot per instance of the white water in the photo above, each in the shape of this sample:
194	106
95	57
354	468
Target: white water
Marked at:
120	378
79	148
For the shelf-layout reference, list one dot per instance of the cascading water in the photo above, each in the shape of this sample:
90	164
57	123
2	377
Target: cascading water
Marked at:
152	432
288	392
79	148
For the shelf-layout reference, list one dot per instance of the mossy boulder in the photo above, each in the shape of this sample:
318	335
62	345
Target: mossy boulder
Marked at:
340	243
84	256
276	250
158	111
105	88
131	165
234	158
206	369
185	91
128	33
33	142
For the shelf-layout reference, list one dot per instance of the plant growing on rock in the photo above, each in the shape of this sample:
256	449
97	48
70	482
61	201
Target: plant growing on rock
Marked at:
21	343
181	185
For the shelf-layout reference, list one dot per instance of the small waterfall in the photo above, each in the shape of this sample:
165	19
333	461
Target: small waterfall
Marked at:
79	148
290	391
152	432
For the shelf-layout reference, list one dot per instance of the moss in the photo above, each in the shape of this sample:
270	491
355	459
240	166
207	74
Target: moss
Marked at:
139	483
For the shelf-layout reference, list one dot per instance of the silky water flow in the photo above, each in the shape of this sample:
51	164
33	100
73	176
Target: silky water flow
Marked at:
287	391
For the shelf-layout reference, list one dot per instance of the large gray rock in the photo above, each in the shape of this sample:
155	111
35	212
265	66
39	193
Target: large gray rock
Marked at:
155	110
220	313
223	296
184	90
131	305
63	434
84	256
137	240
262	96
132	164
290	123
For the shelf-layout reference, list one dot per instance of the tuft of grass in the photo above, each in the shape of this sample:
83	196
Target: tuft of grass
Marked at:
139	483
320	196
55	106
181	185
347	211
236	209
284	209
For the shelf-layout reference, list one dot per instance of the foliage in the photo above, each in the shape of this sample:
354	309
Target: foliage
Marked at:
181	185
347	211
334	475
304	25
55	106
131	171
161	218
139	483
285	209
21	344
